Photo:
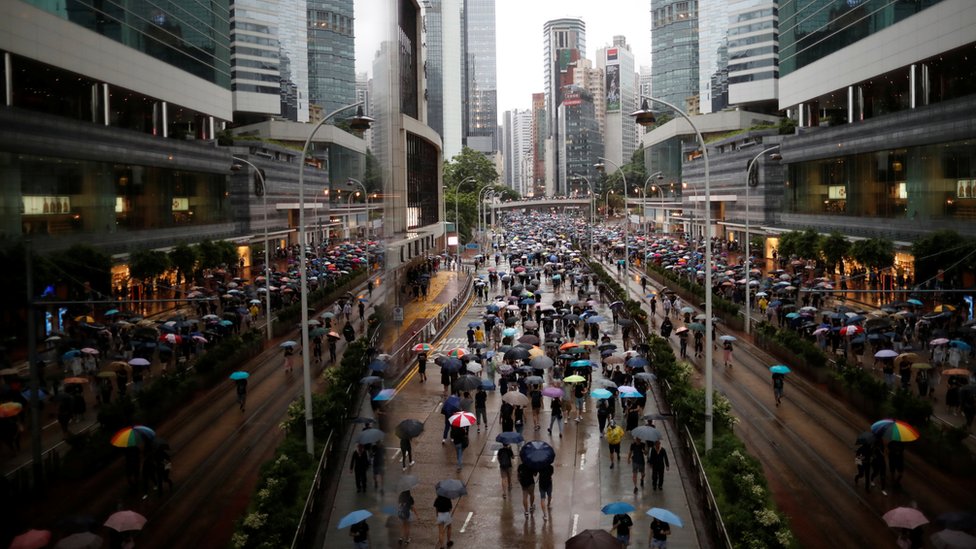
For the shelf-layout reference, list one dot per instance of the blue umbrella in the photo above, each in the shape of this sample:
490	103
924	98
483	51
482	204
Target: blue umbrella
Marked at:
665	516
509	332
618	507
451	405
378	365
354	518
959	344
581	364
633	394
595	319
600	394
779	369
473	324
488	385
915	302
385	394
451	364
491	309
509	437
527	301
239	375
537	454
41	395
71	354
111	312
637	362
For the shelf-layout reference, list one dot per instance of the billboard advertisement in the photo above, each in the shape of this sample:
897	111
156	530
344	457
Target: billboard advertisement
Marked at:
613	88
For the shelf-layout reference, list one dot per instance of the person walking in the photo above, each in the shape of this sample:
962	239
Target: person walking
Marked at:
896	462
332	350
545	491
241	392
556	415
778	382
459	436
658	459
526	478
614	435
621	524
637	461
505	457
406	511
481	409
862	459
878	465
406	449
659	534
288	359
379	465
422	367
443	506
359	465
602	414
727	353
579	391
360	534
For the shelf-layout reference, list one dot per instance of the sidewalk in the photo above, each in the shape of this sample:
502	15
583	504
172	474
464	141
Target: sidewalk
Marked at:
583	481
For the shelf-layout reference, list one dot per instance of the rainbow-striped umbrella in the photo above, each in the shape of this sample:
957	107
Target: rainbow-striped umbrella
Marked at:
420	347
457	353
893	429
132	436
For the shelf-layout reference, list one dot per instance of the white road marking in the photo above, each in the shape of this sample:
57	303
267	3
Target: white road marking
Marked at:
438	406
396	455
494	456
466	521
582	461
575	525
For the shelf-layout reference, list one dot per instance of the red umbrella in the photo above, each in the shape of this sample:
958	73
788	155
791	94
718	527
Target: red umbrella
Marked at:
31	539
463	419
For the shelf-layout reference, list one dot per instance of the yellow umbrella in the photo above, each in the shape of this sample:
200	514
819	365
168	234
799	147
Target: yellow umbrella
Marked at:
944	308
587	343
574	379
85	318
536	351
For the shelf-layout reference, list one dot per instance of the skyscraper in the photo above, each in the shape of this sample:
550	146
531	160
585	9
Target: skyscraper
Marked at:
713	56
564	42
617	62
442	63
517	146
331	54
753	47
539	133
579	143
674	50
480	78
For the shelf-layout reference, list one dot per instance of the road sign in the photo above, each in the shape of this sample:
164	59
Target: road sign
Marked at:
398	314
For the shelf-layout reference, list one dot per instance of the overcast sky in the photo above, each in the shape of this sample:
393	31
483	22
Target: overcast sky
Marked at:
519	39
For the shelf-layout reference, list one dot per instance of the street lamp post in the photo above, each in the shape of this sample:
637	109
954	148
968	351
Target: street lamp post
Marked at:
592	208
358	122
366	197
645	117
483	195
691	224
457	224
657	176
267	255
600	166
751	164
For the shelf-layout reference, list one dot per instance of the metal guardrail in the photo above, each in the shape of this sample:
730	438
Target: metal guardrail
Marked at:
704	488
311	501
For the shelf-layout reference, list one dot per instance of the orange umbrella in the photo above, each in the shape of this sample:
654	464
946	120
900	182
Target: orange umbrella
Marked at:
10	409
566	346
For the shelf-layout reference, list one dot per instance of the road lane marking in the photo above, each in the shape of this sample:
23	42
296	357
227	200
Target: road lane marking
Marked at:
582	461
395	455
575	524
466	521
437	406
494	456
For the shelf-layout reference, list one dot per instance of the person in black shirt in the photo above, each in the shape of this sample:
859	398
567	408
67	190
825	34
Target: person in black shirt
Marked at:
481	409
545	491
658	459
659	534
360	465
506	417
360	534
442	506
526	478
622	523
422	367
405	506
637	461
505	457
241	392
535	395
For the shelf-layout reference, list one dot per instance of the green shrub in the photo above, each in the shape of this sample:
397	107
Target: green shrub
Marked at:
719	304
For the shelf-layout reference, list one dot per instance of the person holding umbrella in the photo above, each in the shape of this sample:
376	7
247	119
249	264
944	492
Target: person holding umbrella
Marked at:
422	367
241	391
405	507
545	490
622	523
660	531
443	506
778	382
505	457
526	478
459	436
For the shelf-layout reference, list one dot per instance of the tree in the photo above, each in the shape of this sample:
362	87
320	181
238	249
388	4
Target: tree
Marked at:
507	193
834	249
83	269
467	210
372	174
183	258
215	254
876	254
946	250
148	264
802	244
470	163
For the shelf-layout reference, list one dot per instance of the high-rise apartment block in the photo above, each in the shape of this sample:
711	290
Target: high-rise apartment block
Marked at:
480	77
753	51
564	42
331	53
619	91
674	51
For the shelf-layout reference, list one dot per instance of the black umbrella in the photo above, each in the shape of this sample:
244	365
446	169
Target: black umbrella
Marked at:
529	339
625	322
957	520
516	353
511	321
466	383
867	437
593	539
646	432
541	362
369	436
536	454
409	428
450	488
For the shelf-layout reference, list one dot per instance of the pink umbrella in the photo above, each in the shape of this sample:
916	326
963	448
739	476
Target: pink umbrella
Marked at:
905	517
31	539
125	521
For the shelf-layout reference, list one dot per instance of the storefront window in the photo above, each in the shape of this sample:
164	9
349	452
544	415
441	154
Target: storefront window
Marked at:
930	182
